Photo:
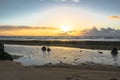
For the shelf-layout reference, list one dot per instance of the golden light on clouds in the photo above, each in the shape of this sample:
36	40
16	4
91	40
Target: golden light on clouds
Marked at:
64	30
58	21
114	17
28	31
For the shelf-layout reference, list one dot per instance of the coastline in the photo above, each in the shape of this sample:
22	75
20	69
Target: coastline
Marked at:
85	71
104	45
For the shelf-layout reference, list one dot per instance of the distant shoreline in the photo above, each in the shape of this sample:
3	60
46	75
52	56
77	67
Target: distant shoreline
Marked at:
105	45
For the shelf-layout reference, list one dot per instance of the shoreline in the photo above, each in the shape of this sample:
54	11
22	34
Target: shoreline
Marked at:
104	45
82	66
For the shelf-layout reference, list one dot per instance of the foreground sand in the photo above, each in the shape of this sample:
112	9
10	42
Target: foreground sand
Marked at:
15	71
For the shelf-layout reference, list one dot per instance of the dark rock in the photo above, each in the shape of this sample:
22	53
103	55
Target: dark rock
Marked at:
43	48
4	55
80	50
100	52
1	47
114	51
75	59
48	49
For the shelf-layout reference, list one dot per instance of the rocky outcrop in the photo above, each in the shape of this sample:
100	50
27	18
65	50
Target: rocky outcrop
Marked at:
4	55
114	51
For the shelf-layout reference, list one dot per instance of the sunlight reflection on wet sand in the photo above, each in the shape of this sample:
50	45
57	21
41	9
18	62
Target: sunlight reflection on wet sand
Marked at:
33	55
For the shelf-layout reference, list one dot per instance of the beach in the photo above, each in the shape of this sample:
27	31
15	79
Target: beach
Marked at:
62	63
15	71
59	39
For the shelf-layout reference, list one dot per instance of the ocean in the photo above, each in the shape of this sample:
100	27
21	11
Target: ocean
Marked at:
62	38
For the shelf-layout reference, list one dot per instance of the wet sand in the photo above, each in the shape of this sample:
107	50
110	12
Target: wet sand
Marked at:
33	55
15	71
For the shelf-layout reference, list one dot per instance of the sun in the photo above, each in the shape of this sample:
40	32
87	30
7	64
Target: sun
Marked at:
65	28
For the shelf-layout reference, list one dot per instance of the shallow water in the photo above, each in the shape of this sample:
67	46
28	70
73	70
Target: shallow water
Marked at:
33	55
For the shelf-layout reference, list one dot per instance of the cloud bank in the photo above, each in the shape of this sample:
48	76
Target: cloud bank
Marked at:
102	32
6	28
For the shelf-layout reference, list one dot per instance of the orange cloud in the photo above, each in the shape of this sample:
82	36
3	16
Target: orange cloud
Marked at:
6	28
114	17
27	31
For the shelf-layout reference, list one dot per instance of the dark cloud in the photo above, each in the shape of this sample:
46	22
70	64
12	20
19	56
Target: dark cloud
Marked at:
66	33
25	27
102	32
63	34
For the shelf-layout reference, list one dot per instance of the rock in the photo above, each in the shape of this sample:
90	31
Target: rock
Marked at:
100	52
80	50
43	48
4	55
1	47
114	51
48	49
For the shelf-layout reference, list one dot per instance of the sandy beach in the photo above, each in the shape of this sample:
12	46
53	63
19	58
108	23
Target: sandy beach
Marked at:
15	71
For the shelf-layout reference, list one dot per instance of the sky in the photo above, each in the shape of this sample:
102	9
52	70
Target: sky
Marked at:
57	17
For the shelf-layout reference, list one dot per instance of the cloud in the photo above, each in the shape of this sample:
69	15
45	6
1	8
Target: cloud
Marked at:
63	34
69	0
114	17
66	33
76	0
102	32
25	27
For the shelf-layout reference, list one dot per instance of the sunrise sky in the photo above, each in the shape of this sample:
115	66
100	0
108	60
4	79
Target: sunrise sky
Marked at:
57	17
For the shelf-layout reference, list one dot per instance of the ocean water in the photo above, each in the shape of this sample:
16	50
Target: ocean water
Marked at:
33	55
62	38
